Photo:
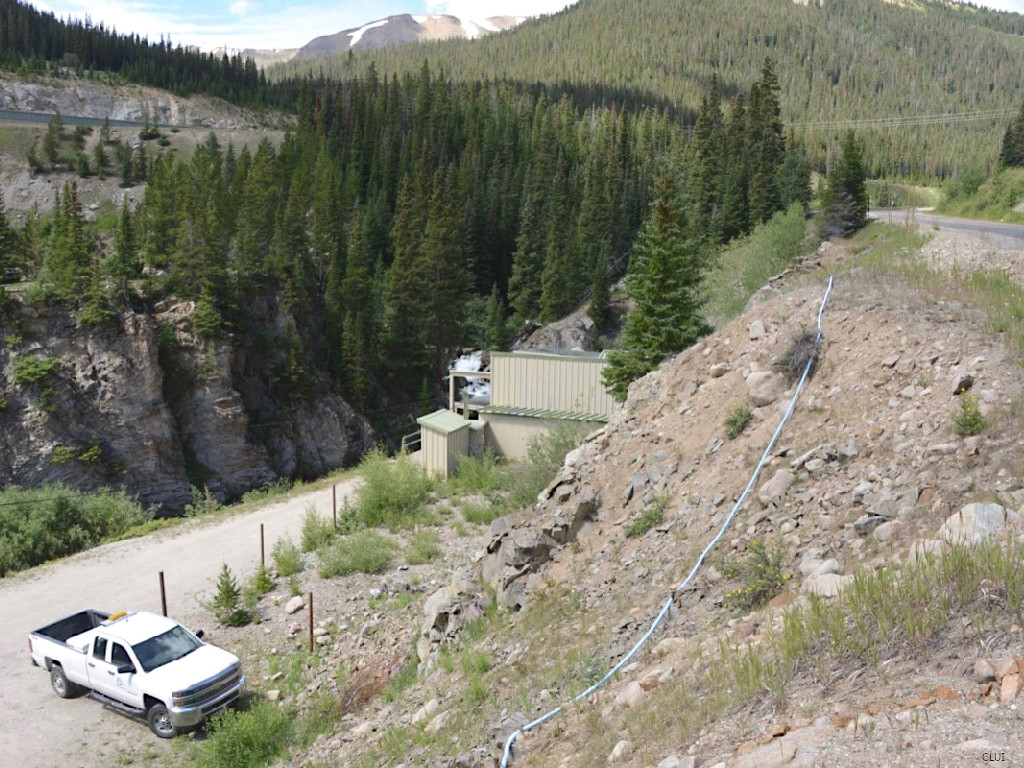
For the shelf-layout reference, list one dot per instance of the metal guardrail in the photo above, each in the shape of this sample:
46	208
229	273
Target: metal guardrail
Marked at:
412	442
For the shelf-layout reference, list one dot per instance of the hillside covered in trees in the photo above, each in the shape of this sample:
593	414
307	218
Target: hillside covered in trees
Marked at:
883	63
407	217
34	41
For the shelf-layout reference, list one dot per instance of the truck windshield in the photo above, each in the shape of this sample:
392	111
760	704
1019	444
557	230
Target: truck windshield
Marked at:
159	650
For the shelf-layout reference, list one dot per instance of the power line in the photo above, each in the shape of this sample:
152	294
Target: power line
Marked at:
907	120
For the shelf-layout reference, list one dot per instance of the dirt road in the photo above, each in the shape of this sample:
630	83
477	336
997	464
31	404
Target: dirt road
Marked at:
39	730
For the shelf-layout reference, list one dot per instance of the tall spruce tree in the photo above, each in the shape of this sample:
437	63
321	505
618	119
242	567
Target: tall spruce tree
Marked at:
767	145
664	280
845	206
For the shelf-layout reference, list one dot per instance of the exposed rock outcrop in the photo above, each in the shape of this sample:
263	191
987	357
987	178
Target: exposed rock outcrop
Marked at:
105	411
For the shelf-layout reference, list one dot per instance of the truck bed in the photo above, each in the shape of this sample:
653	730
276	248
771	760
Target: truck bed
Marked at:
75	624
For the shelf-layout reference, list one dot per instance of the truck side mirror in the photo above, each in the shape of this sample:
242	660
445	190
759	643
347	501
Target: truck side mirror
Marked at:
126	669
199	633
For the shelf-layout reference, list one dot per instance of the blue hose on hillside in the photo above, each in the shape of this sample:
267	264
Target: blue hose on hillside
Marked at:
663	613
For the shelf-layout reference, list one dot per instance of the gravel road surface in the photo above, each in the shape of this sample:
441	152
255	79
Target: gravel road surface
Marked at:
40	730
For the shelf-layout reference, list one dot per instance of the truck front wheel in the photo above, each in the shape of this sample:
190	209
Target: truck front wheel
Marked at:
159	720
61	685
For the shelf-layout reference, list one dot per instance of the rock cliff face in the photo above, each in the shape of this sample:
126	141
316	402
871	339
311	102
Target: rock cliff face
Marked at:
84	98
144	405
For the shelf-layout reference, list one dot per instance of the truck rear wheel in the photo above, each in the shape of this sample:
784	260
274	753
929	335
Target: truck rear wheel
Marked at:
159	720
61	685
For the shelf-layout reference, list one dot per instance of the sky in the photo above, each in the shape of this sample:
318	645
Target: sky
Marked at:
236	24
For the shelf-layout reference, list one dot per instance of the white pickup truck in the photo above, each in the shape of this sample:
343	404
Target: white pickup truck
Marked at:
142	664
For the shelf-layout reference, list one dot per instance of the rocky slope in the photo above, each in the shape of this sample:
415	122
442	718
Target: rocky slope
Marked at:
869	473
117	410
80	97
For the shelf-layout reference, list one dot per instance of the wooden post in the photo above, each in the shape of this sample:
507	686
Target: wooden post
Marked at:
263	549
163	594
310	622
451	390
334	504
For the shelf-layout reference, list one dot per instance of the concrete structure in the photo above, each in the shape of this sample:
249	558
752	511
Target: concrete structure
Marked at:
531	392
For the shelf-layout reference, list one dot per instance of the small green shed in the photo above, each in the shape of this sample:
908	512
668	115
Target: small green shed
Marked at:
444	437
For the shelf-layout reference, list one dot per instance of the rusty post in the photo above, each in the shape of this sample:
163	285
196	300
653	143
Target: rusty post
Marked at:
310	622
163	594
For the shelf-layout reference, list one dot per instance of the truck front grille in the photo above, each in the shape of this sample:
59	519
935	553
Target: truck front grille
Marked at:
208	691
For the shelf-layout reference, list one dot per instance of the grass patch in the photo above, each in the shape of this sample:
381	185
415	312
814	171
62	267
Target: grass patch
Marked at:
364	551
394	493
423	546
480	514
746	264
651	516
737	420
286	556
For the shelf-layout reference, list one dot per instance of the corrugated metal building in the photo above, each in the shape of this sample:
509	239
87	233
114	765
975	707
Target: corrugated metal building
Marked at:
531	392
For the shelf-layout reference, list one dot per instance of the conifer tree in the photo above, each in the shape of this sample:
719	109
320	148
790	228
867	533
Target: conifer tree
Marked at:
8	247
124	265
767	145
496	329
736	179
664	281
600	310
1011	154
845	204
707	180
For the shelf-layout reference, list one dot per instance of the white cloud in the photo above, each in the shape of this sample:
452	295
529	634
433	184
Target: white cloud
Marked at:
241	7
483	9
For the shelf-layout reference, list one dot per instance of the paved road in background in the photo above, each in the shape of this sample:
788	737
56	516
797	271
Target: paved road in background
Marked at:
927	220
39	730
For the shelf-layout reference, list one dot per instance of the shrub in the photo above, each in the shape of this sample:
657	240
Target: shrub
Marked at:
804	348
481	475
968	419
651	516
316	531
28	369
238	739
364	551
394	493
423	546
46	523
737	420
761	574
287	557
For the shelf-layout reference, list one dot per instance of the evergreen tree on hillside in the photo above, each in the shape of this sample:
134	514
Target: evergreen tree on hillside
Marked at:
707	181
767	145
844	208
1011	155
8	247
664	280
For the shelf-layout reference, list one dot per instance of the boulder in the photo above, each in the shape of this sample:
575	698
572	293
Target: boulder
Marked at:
764	388
777	487
976	522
